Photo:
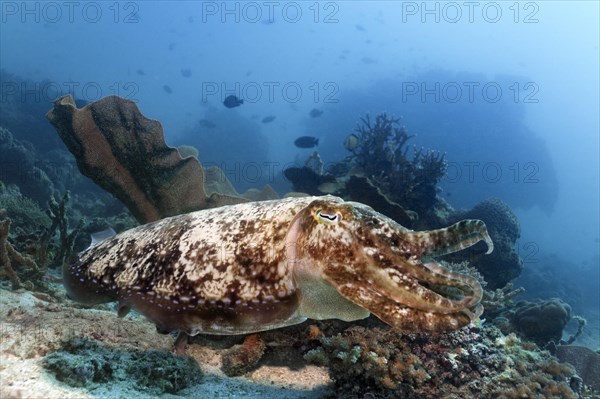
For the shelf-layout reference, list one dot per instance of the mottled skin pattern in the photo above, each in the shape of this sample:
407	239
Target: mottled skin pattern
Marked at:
263	265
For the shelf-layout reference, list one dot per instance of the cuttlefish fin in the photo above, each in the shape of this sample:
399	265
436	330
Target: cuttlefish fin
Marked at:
100	236
320	300
123	310
454	238
403	318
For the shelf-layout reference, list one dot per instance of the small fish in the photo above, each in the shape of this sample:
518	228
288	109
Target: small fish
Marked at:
351	142
207	124
330	187
232	101
315	113
268	119
167	89
306	142
186	72
368	60
172	46
140	72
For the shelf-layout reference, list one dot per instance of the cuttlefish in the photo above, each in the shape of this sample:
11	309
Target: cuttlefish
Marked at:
263	265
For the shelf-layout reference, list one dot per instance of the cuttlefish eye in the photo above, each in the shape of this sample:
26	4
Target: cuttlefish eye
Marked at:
327	218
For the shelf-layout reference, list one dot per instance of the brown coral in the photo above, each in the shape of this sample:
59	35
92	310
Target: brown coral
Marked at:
241	359
9	254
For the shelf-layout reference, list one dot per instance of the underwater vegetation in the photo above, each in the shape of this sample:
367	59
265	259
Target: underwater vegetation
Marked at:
502	357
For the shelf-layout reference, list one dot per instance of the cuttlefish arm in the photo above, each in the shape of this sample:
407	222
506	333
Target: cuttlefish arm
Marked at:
381	266
259	266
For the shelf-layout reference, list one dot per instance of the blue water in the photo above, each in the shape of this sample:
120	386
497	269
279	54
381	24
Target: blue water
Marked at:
509	91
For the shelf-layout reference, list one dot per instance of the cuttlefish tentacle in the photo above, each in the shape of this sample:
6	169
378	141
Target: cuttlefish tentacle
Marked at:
392	266
405	318
459	280
454	238
263	265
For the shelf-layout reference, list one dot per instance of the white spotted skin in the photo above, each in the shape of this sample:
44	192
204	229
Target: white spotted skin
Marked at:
229	260
263	265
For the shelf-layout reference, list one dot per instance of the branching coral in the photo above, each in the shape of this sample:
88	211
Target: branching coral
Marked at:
382	155
379	173
57	213
498	299
8	255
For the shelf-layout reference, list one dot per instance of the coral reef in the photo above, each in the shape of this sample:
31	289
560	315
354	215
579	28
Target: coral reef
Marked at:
504	264
26	215
495	301
215	181
39	240
382	156
379	173
361	189
84	363
306	180
471	362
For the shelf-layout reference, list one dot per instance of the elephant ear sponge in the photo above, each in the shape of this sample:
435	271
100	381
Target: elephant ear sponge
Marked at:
125	153
504	264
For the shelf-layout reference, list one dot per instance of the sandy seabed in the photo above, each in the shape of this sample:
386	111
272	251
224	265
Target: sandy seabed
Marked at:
32	326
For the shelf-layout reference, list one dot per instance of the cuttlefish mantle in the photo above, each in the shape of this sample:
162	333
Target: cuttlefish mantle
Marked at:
263	265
